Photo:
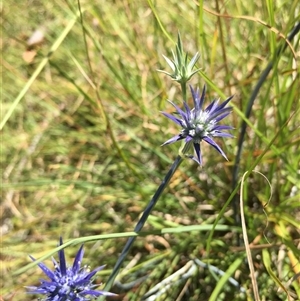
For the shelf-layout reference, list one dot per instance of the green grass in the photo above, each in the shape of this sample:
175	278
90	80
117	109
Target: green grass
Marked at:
81	155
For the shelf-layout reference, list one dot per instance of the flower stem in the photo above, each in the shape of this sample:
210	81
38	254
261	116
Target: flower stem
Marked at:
183	90
145	215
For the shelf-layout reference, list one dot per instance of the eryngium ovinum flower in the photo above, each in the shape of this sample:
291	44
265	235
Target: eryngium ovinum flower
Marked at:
198	124
68	282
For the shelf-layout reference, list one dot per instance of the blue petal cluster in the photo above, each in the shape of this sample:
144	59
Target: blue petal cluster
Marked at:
68	283
198	124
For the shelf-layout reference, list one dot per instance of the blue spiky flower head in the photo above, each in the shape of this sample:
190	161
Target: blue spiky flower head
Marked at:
201	124
68	282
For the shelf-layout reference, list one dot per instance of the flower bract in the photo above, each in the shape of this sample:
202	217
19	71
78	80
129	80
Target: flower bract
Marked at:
199	124
68	282
182	70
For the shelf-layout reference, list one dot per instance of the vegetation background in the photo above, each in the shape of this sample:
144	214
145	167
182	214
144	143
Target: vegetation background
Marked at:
81	134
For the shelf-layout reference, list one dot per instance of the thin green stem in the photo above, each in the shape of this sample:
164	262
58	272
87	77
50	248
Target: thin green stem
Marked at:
145	216
183	90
